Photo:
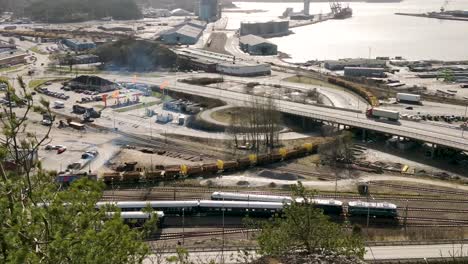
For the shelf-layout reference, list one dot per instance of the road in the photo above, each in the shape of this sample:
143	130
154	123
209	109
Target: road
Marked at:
375	253
423	131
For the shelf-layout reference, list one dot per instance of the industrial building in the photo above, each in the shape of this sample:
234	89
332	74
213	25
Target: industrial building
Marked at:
10	56
244	69
78	45
339	65
266	29
194	59
303	15
197	23
364	72
184	35
255	45
210	10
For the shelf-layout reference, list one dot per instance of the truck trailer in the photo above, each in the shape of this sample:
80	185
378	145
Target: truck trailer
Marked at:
379	113
409	98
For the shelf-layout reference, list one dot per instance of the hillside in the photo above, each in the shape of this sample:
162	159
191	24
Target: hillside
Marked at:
136	55
189	5
57	11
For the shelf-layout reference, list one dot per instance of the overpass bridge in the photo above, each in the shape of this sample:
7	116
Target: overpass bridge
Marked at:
437	134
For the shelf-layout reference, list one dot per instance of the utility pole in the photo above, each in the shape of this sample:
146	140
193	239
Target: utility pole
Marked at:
222	247
183	226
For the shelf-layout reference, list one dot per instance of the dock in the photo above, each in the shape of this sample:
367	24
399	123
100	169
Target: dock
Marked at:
315	20
434	15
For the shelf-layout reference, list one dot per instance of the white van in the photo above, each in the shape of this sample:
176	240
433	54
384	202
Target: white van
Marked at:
59	104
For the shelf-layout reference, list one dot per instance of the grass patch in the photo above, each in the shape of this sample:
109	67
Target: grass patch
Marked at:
311	81
38	50
11	68
74	71
156	94
226	115
98	106
33	84
135	107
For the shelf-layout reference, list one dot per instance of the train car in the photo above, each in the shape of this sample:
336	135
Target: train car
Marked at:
236	208
195	170
111	177
171	172
154	176
131	176
227	196
382	210
276	157
263	159
168	207
137	219
68	178
244	163
230	165
329	206
211	168
295	153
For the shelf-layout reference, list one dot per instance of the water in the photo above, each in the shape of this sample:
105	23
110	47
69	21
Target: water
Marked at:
373	29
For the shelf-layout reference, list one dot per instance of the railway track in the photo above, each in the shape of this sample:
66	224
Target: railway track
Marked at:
421	189
435	210
197	193
181	235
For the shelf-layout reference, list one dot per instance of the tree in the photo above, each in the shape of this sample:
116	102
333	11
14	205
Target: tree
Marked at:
261	125
337	153
446	75
39	222
304	228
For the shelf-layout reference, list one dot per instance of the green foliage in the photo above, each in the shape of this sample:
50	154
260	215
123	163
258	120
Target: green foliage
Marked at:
304	228
447	75
57	11
181	257
39	223
136	55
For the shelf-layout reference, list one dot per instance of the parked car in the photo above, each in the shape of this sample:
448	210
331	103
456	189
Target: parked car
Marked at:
61	150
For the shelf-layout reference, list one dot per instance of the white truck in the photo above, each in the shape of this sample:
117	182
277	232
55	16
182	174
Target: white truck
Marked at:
379	113
409	98
59	104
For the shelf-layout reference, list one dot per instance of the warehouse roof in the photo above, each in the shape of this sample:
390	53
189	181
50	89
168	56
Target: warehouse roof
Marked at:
253	40
197	24
186	30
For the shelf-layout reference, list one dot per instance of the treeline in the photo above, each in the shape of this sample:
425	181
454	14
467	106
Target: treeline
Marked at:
189	5
136	55
57	11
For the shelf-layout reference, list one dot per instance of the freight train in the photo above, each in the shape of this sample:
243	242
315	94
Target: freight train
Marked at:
207	169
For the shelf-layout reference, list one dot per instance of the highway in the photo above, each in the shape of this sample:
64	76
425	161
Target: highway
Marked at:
423	131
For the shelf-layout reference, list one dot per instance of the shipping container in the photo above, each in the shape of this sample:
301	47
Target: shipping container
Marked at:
408	98
383	113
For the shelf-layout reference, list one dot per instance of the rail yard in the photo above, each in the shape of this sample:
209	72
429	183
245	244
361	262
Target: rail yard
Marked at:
220	136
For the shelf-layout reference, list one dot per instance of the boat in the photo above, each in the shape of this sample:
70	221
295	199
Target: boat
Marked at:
340	12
